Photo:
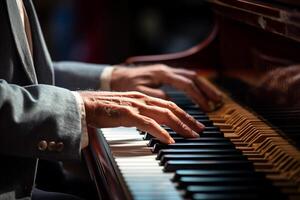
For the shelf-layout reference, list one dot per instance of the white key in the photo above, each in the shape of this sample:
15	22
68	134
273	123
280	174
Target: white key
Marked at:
141	171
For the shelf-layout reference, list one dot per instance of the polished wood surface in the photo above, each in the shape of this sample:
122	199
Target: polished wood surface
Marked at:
247	35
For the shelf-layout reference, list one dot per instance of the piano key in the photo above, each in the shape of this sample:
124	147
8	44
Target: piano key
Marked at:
194	164
207	128
224	196
197	151
220	181
191	107
205	122
194	111
190	190
212	128
148	136
202	134
173	165
193	145
153	141
142	173
215	157
215	173
200	117
262	192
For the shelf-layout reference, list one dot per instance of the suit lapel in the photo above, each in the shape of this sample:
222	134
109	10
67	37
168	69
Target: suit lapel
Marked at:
20	40
41	55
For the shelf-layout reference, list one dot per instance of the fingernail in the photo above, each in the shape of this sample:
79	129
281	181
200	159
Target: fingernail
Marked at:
200	126
171	141
195	134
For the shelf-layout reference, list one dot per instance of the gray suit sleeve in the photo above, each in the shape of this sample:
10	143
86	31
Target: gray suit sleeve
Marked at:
77	75
38	113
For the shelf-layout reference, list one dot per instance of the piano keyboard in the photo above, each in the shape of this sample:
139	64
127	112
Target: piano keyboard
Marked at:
236	157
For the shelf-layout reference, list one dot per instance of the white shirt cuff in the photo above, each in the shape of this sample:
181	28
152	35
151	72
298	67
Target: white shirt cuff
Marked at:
84	136
105	78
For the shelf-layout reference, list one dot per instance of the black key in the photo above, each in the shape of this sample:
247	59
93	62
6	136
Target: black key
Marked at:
265	192
212	128
204	133
184	103
206	122
197	151
194	111
219	181
153	141
173	165
147	136
223	196
213	157
215	173
192	145
190	190
200	117
192	107
173	134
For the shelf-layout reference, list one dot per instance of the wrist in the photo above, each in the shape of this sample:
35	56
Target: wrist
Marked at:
116	77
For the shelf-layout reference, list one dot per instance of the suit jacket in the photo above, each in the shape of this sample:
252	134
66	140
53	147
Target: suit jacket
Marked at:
33	112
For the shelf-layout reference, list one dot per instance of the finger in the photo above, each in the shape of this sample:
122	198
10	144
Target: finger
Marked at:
153	92
181	114
208	89
188	86
163	115
151	126
187	73
167	117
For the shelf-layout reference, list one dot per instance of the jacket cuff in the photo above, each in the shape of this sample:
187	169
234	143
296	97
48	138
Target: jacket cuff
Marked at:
84	133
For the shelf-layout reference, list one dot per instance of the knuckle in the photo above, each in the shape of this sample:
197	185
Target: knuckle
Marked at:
166	112
137	94
168	116
128	111
184	127
149	122
125	110
188	85
163	68
172	105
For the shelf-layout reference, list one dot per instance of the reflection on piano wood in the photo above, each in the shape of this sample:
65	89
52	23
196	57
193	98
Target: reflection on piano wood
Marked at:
240	154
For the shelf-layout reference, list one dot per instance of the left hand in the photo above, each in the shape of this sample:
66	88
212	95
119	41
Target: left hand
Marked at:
148	79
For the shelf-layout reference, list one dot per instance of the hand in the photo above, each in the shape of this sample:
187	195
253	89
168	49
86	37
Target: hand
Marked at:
148	79
134	109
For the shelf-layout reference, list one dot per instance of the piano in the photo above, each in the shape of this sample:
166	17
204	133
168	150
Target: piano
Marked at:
247	150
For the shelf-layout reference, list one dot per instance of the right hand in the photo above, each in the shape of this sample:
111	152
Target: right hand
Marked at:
134	109
148	80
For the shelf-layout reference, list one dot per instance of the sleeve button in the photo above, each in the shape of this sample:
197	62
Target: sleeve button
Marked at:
42	146
52	146
59	146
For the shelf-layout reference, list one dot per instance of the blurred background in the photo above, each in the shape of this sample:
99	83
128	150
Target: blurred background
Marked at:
109	31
